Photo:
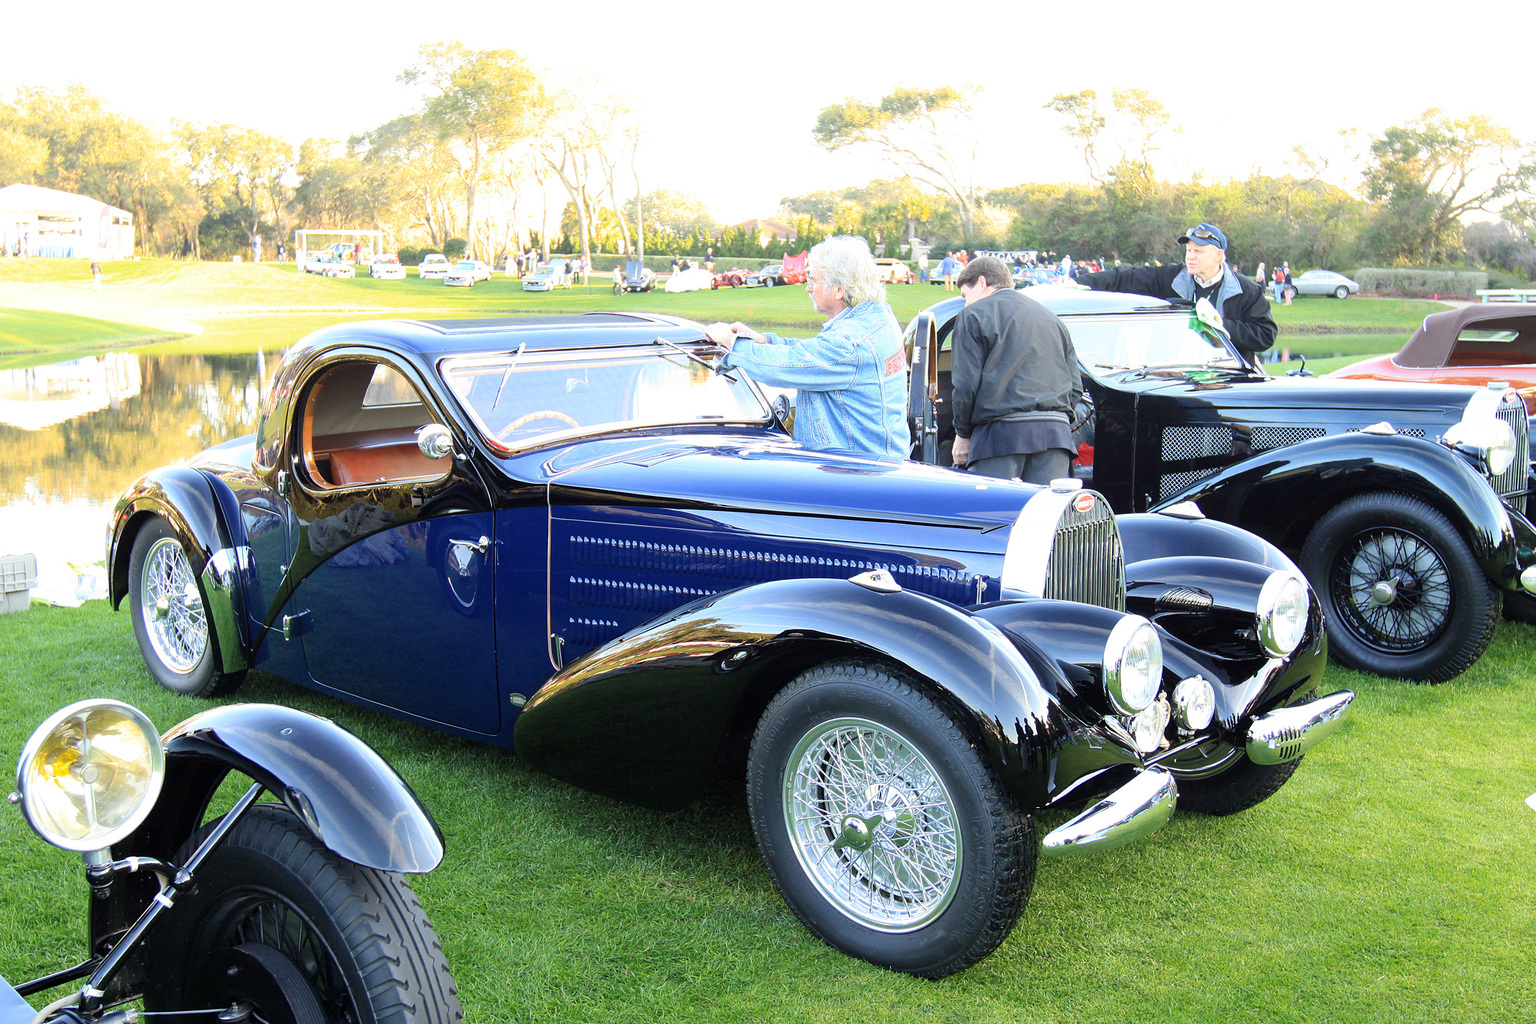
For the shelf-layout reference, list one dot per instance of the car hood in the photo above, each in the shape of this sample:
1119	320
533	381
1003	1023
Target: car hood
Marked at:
1300	398
754	473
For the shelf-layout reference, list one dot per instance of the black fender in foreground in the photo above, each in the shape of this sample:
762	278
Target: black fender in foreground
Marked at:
643	717
1281	494
346	794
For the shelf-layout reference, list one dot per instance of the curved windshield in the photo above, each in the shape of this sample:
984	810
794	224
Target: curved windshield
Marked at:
521	399
1134	342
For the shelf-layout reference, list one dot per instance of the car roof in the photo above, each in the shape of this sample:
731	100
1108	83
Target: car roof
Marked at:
432	339
1071	300
1431	344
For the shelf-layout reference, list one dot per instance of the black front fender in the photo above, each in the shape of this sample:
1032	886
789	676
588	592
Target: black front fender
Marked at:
1280	494
339	786
184	498
643	717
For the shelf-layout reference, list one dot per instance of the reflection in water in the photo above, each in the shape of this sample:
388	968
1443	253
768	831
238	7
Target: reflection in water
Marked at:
42	396
75	434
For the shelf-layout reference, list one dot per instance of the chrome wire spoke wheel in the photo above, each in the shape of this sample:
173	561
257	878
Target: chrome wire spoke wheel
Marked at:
1395	588
872	824
175	620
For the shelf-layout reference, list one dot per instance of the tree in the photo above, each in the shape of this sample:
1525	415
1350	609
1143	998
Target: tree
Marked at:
1085	123
1430	172
482	101
926	134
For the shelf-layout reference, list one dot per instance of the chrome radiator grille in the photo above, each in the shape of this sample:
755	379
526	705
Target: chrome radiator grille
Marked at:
1513	480
1087	562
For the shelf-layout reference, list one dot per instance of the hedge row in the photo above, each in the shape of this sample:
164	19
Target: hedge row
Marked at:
1412	283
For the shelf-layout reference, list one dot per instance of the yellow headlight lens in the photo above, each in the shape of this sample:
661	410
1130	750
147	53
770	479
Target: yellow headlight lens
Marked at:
90	774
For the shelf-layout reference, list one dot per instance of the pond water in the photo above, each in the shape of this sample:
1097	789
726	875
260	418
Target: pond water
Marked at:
74	434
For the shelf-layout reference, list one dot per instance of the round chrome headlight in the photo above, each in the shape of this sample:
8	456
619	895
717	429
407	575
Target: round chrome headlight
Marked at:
89	775
1133	665
1281	619
1500	452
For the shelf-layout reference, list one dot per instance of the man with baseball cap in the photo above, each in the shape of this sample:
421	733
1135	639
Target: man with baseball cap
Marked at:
1238	303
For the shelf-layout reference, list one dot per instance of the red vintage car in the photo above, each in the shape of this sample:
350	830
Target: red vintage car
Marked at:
794	269
1477	344
733	278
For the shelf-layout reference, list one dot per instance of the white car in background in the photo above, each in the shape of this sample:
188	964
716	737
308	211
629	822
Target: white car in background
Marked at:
466	272
434	265
894	271
326	262
547	278
387	268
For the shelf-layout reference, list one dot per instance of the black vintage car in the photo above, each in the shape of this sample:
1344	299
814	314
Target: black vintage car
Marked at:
572	535
1406	506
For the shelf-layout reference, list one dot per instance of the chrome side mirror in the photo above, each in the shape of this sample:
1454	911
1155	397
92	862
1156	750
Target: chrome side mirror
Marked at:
435	441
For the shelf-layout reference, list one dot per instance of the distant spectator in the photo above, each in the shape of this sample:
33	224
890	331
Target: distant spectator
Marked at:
282	252
949	266
96	275
709	258
922	265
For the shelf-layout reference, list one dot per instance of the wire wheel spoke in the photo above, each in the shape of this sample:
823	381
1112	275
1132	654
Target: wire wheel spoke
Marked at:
872	824
1394	589
173	611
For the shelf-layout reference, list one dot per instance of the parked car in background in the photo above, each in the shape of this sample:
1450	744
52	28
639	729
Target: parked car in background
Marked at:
640	577
466	272
1323	282
387	268
328	264
895	271
635	277
769	276
793	271
433	266
1489	342
693	279
1406	505
548	277
733	278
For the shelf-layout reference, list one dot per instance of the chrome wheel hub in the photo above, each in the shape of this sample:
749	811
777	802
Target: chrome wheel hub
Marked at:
872	824
174	618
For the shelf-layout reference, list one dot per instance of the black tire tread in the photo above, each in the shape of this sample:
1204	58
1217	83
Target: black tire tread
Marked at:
395	949
1235	789
1466	636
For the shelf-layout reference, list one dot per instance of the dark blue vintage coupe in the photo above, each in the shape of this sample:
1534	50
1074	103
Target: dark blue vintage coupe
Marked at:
573	535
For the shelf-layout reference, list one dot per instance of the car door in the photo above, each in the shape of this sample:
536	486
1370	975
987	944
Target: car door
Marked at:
391	577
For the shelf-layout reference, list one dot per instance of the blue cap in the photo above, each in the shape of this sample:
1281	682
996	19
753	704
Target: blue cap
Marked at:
1205	233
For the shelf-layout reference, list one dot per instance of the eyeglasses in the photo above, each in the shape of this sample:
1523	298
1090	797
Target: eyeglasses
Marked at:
1202	232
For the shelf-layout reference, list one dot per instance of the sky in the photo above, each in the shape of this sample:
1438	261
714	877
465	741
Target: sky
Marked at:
728	92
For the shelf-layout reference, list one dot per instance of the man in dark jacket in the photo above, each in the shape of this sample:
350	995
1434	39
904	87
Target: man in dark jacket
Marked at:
1016	380
1242	310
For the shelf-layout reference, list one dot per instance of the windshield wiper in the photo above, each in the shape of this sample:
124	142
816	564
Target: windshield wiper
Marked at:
702	362
506	375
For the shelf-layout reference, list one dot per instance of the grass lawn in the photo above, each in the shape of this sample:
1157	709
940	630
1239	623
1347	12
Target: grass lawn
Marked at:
1390	881
28	330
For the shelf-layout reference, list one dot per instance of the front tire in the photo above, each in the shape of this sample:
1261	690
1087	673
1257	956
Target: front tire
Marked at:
882	826
170	616
768	282
1401	592
1235	789
275	918
1341	292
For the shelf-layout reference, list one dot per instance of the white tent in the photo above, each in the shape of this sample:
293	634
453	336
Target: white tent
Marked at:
36	221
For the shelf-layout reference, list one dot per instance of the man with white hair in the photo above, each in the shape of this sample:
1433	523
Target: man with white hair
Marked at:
851	377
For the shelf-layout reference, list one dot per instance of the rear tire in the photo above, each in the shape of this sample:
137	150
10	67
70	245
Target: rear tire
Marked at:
351	941
882	826
170	616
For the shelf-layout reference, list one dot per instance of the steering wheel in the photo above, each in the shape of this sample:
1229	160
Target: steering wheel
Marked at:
537	414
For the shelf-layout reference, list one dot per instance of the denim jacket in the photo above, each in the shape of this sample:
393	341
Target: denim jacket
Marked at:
851	378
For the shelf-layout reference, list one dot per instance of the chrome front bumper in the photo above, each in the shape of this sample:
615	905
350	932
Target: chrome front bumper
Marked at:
1286	734
1135	810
